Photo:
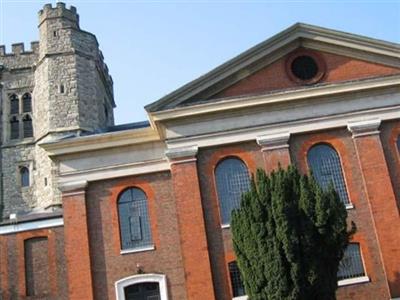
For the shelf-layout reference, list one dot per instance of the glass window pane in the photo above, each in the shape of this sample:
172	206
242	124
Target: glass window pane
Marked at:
134	219
14	128
326	167
236	280
232	179
351	265
24	172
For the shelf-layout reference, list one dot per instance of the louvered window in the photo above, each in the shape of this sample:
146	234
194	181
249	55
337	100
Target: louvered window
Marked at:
27	102
325	164
14	104
28	128
14	128
232	179
134	219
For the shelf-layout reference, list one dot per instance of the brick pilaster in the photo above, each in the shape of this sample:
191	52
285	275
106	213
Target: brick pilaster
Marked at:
275	150
381	197
76	241
193	239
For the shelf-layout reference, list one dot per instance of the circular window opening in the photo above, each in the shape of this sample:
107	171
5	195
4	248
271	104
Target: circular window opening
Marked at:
304	67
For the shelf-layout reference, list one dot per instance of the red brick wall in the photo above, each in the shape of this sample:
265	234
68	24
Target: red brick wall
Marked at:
274	76
107	264
366	235
45	249
219	240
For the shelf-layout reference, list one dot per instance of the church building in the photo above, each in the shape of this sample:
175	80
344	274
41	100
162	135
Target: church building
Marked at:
141	211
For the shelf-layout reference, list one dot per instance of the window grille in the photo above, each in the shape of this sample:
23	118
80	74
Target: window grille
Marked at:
145	290
24	173
14	104
236	280
28	128
351	265
14	128
27	103
232	179
325	164
134	219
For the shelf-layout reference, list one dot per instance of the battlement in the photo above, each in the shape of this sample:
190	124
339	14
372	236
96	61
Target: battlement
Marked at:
19	49
59	11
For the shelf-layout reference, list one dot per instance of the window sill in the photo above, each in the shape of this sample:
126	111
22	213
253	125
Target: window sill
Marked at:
349	206
226	226
355	280
240	298
141	249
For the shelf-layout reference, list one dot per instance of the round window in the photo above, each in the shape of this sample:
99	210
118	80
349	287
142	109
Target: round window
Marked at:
304	67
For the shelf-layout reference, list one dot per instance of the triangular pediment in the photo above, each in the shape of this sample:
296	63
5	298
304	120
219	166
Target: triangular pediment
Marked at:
268	67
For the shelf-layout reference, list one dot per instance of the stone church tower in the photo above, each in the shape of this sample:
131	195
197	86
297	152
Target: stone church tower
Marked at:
58	89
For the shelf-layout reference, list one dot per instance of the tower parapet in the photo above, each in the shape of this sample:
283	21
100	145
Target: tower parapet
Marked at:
59	11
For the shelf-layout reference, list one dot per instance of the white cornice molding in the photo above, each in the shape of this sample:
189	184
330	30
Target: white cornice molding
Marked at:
294	127
32	225
273	141
115	171
274	98
101	141
364	127
68	188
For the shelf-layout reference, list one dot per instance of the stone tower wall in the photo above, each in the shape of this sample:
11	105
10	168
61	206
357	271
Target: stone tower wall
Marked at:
72	93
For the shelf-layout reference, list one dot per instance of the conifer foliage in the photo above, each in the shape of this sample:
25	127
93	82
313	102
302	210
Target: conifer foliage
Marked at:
289	236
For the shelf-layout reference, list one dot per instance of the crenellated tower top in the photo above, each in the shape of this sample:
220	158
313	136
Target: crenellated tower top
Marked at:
59	11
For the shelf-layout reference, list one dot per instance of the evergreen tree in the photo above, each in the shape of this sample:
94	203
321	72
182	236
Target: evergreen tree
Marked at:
289	236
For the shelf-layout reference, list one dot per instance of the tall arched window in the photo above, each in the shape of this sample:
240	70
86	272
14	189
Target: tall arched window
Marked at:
398	143
14	104
27	103
325	164
14	128
24	175
134	220
28	128
232	179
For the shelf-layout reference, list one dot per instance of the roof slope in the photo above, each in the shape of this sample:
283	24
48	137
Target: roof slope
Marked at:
298	35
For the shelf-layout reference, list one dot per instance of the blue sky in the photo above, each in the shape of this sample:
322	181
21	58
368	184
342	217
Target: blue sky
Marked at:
154	47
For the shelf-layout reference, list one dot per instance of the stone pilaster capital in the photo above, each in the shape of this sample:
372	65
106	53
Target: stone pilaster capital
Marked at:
182	154
73	187
274	141
365	127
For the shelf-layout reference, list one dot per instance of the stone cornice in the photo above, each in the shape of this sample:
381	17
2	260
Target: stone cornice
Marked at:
73	187
101	141
274	141
365	127
182	154
274	98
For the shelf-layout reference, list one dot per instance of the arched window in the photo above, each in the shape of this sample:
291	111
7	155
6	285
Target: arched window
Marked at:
24	173
28	128
14	128
232	179
134	220
14	104
325	164
27	103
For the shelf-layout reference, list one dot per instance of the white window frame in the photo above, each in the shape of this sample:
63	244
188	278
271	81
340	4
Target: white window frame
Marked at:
161	279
